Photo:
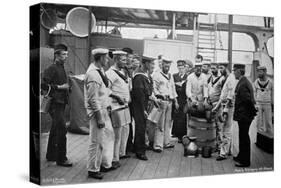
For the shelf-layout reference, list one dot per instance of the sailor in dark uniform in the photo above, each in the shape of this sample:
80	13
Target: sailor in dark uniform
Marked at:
56	78
141	92
179	117
244	113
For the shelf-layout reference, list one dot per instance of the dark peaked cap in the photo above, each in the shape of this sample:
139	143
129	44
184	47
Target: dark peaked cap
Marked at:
60	47
181	63
128	50
239	66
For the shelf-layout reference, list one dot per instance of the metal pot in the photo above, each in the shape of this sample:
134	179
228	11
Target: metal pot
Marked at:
191	149
206	151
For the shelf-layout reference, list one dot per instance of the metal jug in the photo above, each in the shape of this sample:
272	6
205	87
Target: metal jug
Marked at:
191	149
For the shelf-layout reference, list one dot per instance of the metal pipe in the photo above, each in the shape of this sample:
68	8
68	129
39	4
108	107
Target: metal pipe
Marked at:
174	26
230	22
194	37
89	35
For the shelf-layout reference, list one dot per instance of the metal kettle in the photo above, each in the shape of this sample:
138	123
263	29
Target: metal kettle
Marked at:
190	146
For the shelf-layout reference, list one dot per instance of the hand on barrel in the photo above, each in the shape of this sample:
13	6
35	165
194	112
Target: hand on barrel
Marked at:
193	102
206	104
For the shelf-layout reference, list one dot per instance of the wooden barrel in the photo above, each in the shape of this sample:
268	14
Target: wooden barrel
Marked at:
203	130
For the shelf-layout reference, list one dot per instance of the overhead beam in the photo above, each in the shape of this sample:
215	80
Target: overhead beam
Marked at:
141	21
149	12
237	28
138	25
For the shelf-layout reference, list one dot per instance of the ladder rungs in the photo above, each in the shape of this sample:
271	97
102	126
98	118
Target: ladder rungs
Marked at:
206	52
206	42
206	35
206	26
206	38
209	56
205	32
205	48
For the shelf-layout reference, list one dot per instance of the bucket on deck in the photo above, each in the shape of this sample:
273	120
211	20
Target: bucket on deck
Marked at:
204	131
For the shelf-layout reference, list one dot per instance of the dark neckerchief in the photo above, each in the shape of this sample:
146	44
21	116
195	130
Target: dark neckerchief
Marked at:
182	77
214	81
263	86
103	77
168	78
124	77
147	76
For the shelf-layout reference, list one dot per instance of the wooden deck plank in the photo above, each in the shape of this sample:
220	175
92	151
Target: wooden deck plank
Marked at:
185	166
196	166
152	165
228	165
207	168
138	172
73	141
78	165
67	173
75	155
111	176
217	165
162	169
127	170
174	167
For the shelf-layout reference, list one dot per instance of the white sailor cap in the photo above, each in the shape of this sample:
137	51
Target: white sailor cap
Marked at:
261	67
206	62
99	51
198	64
119	52
166	60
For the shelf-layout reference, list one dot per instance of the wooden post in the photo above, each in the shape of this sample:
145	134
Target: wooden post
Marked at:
230	22
89	35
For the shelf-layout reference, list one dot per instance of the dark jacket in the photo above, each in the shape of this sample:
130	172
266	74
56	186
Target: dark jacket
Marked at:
244	108
180	89
142	89
55	75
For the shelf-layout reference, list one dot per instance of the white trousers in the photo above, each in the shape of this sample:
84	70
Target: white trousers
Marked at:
162	134
264	120
101	144
120	143
225	134
120	122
